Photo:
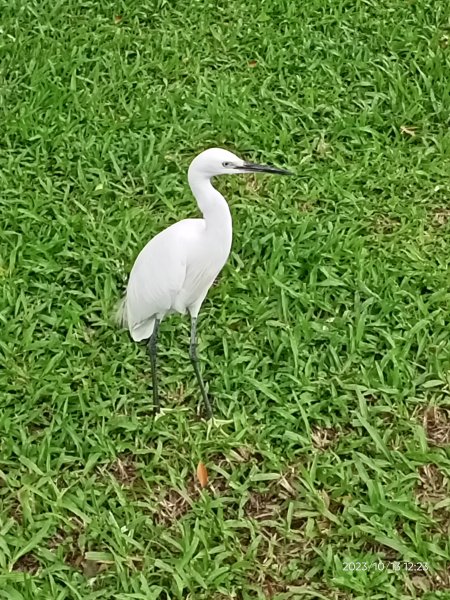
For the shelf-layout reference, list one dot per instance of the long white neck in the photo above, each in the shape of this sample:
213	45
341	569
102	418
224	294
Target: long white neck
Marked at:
212	204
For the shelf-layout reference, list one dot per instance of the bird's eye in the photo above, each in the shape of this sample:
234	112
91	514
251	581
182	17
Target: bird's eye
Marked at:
226	164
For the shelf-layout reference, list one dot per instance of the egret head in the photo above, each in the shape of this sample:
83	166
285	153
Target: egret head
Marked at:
217	161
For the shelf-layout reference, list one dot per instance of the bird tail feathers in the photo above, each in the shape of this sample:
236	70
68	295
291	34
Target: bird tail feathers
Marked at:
139	331
120	315
142	331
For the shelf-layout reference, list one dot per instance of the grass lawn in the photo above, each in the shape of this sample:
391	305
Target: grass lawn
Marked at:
325	342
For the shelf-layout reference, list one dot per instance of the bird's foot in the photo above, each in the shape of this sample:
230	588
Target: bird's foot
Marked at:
208	412
156	409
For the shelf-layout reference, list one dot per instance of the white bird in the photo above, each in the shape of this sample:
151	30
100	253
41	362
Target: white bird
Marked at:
175	270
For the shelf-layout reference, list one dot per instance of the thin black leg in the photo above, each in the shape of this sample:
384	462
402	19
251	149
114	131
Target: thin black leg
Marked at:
152	351
194	360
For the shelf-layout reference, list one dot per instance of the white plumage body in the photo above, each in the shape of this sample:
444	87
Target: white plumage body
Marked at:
173	273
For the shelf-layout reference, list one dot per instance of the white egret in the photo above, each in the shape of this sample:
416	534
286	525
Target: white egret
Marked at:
175	270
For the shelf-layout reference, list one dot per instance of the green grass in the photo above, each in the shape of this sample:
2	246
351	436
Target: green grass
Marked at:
325	343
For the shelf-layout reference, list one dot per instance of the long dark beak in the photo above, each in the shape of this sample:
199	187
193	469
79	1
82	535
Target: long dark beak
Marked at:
253	168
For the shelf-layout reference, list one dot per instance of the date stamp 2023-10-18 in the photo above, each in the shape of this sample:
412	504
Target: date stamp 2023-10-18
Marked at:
386	565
